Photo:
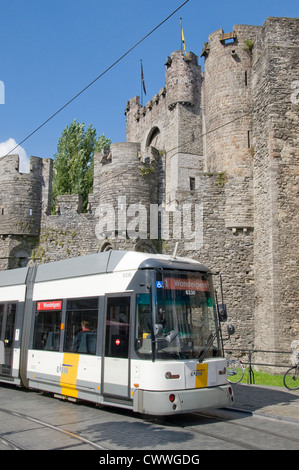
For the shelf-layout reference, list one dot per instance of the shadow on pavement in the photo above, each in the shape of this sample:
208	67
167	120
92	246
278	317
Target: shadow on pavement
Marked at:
258	397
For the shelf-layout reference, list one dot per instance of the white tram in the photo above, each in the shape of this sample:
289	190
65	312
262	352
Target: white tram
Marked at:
118	328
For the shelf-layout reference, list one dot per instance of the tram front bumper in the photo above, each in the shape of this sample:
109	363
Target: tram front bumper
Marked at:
182	401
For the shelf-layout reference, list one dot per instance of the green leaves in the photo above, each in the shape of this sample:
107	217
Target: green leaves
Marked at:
73	165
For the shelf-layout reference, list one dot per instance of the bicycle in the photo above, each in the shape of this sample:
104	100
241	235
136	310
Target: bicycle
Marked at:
235	371
291	378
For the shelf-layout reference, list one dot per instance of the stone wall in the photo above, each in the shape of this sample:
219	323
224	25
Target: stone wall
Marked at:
225	250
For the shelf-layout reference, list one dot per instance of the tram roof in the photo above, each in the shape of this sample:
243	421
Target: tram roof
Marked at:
109	261
13	277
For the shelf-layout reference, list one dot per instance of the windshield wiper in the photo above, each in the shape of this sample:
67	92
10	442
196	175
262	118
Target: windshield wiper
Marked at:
204	353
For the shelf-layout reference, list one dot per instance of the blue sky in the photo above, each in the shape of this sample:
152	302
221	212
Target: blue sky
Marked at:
52	49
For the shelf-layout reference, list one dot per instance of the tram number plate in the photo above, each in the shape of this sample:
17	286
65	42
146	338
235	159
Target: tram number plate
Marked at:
190	292
197	372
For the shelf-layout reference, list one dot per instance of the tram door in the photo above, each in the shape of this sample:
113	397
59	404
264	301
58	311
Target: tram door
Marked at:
115	379
7	323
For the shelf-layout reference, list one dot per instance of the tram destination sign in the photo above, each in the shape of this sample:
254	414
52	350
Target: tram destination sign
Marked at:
49	305
197	285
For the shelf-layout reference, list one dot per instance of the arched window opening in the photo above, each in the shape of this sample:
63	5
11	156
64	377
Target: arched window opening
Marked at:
153	137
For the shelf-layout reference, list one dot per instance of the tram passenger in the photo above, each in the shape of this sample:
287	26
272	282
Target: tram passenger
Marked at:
78	338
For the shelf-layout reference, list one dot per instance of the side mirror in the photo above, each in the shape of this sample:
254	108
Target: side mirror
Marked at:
170	337
230	329
222	312
158	329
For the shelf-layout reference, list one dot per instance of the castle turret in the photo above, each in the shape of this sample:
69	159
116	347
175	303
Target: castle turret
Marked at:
126	182
182	79
228	126
171	122
228	119
23	199
20	197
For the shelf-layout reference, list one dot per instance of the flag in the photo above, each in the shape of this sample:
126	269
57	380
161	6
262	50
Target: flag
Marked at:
142	79
183	41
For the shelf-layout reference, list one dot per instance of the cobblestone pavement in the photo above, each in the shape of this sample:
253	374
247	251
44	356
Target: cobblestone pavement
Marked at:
277	402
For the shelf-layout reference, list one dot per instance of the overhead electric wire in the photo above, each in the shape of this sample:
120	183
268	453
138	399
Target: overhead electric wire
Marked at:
99	76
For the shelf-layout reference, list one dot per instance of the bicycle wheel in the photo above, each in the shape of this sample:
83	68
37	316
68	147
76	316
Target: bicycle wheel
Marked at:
291	378
235	371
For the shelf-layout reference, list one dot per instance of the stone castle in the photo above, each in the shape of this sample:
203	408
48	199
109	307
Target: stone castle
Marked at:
217	153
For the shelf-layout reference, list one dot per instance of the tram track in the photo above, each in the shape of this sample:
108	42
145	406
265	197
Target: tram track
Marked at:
16	446
217	436
223	438
253	428
9	443
260	434
207	429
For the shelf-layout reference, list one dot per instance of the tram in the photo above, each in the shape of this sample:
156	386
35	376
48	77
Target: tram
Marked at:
118	328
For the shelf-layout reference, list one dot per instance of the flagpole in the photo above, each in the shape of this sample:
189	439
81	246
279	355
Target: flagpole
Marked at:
181	34
141	95
142	83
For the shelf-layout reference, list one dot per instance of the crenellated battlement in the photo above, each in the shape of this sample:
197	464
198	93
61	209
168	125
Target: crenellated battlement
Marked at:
135	109
139	117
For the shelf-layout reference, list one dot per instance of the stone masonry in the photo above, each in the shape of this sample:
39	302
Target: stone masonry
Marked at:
210	162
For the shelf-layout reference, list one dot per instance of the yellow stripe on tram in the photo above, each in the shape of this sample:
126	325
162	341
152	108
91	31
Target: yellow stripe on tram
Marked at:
68	377
201	379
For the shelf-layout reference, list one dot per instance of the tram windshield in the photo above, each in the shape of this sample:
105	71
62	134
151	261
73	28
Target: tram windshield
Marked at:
185	324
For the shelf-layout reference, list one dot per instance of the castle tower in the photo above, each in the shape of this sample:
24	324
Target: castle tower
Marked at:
171	122
182	79
126	184
23	198
228	119
20	197
228	126
228	158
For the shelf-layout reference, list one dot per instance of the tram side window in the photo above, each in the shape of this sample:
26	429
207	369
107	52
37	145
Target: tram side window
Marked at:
81	326
7	327
117	327
7	323
143	342
10	324
47	330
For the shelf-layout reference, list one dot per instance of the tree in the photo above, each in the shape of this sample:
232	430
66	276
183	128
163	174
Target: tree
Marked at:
73	164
